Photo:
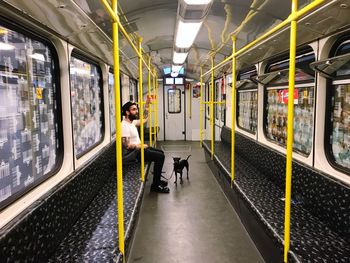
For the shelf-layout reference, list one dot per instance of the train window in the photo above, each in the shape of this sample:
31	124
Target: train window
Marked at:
133	90
169	81
179	81
276	107
174	100
247	98
111	103
86	94
339	137
276	121
217	99
30	130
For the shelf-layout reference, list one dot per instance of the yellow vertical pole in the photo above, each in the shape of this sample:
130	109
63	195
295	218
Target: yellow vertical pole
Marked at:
150	105
154	106
118	132
189	100
233	109
141	113
212	121
201	109
292	53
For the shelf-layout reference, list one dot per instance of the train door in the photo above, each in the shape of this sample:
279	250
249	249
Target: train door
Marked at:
174	106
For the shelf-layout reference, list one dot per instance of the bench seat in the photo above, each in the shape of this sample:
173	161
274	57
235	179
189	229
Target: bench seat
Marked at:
311	239
94	237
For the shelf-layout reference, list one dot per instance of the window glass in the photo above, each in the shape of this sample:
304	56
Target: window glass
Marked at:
247	109
133	90
247	99
276	117
86	93
340	110
223	99
179	81
125	87
111	103
217	99
303	72
29	142
174	100
341	124
169	81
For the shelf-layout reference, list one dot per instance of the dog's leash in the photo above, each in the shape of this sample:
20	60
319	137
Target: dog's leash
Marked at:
169	177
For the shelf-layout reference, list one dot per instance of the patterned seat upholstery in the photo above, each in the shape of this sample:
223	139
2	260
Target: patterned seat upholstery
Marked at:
316	236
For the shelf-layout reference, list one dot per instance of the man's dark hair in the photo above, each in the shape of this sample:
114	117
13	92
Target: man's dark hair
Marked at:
126	107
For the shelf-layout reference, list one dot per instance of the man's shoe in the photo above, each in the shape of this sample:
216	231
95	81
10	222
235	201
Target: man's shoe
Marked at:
163	183
159	189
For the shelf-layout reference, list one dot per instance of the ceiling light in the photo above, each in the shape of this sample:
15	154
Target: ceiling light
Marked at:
38	56
179	58
5	46
174	74
186	34
197	2
176	68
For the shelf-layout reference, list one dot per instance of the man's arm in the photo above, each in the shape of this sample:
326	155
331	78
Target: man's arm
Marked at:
145	113
129	146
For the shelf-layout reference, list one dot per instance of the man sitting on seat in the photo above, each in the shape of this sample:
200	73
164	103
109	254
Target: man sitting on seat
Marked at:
131	140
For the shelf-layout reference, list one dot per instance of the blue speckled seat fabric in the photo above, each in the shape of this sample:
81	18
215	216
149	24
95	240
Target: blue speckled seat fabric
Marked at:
94	237
312	240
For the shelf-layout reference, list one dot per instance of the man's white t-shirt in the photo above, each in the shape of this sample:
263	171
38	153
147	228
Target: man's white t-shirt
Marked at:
129	130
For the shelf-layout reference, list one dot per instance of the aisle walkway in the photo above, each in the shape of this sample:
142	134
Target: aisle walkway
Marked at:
194	223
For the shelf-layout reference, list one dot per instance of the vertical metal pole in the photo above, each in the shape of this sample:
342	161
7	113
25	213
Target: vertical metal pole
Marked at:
292	52
118	132
189	100
141	113
233	109
212	121
154	106
149	105
201	110
156	116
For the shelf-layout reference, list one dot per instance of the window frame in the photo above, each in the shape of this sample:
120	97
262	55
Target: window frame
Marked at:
243	88
330	90
81	56
175	89
298	84
56	74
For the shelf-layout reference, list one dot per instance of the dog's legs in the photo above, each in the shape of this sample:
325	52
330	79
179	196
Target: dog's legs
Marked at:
175	178
187	172
181	177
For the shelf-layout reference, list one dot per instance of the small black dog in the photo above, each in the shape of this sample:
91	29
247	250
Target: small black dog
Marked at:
179	166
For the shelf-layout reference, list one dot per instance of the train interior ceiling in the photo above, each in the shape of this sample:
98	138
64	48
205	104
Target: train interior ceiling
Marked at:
58	120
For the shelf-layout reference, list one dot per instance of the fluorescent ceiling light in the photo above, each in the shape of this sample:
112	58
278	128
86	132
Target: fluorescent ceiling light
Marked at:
179	58
197	2
38	56
186	34
174	74
5	46
176	68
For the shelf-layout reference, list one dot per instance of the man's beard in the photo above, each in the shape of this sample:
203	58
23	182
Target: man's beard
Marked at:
133	117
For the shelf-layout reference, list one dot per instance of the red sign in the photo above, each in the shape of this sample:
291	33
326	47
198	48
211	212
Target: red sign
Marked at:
283	96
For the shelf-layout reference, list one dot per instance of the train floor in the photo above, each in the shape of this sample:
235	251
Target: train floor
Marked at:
194	223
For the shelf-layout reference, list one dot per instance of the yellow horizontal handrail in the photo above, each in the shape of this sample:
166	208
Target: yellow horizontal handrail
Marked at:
116	19
285	22
214	102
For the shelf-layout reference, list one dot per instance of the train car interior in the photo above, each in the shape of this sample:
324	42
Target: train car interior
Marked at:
175	131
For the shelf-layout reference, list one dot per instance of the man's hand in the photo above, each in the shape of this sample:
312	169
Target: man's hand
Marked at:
138	146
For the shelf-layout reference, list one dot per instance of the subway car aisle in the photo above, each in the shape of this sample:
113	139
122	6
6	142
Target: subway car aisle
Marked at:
194	223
